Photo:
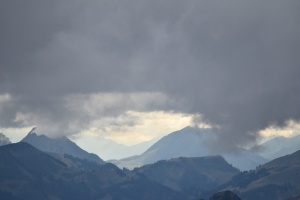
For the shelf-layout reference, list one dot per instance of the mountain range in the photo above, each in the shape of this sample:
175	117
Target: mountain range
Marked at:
189	142
28	173
178	166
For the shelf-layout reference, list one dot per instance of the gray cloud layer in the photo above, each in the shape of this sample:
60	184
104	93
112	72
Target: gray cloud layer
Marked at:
237	63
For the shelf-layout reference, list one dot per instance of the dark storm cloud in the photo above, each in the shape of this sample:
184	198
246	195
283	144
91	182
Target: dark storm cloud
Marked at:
237	63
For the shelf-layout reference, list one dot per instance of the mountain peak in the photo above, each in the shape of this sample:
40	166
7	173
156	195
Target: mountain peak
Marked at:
60	145
189	142
32	131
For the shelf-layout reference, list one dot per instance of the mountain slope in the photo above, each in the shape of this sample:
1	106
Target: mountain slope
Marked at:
277	179
204	173
279	146
4	140
189	142
22	160
75	162
28	173
60	146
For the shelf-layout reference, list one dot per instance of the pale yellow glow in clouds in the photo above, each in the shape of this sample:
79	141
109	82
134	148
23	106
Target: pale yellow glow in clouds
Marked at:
146	126
291	129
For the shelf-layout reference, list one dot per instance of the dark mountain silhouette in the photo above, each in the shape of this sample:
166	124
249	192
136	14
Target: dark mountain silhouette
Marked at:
189	142
4	140
60	146
204	173
24	162
28	173
25	171
225	195
277	179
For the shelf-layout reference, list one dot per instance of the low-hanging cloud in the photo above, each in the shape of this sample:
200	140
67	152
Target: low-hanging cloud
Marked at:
235	63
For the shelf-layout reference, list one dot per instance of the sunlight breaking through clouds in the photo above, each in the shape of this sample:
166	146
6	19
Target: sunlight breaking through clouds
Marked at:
292	128
134	127
235	63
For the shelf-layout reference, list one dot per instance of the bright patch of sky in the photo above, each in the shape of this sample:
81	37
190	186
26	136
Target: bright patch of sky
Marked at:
15	134
144	126
291	129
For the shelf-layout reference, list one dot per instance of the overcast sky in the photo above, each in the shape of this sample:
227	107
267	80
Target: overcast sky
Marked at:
70	67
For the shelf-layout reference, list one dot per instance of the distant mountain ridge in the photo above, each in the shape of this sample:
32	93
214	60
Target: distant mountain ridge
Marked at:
110	150
279	146
189	142
4	140
60	146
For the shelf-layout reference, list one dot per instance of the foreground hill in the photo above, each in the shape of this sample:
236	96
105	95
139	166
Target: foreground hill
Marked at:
189	142
59	146
204	173
277	179
28	173
279	146
24	170
22	161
